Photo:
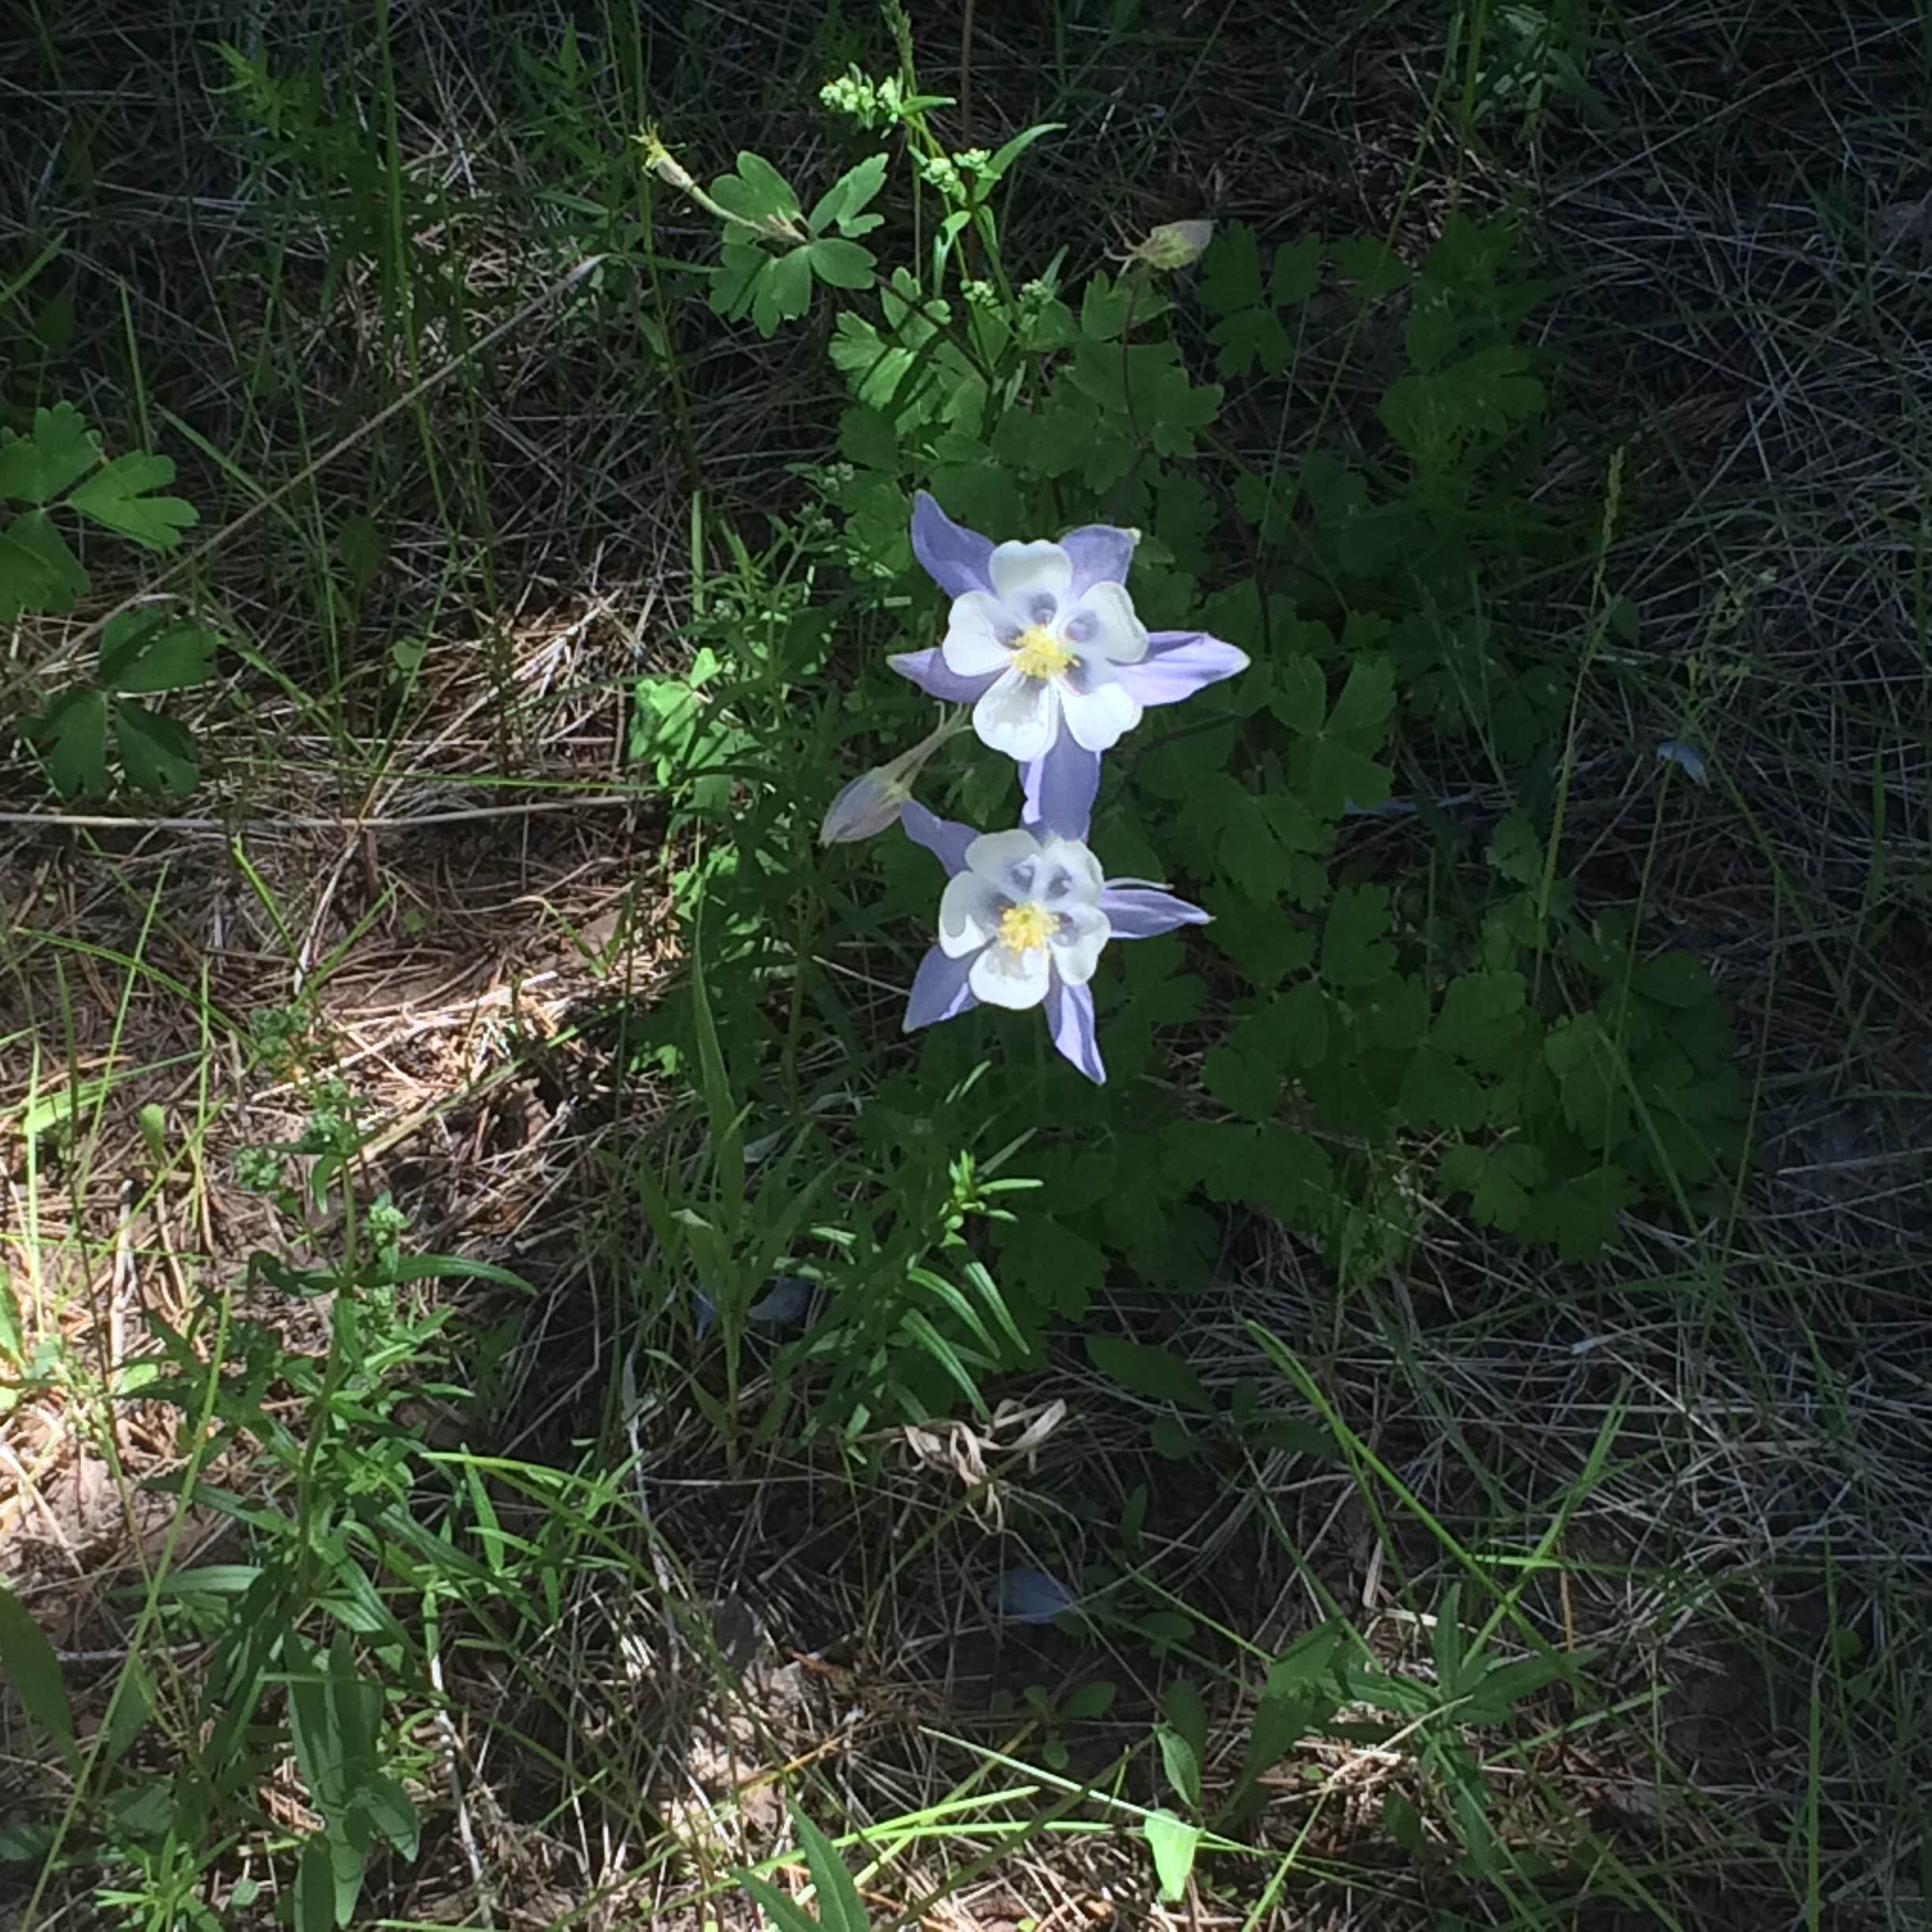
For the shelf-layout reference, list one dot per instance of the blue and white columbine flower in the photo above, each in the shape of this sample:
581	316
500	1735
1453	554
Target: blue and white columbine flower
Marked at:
1043	643
1023	921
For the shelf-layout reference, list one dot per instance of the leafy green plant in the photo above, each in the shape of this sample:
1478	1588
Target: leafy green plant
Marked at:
1399	999
57	467
142	652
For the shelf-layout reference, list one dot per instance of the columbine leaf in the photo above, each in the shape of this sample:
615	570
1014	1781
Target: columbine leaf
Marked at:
783	292
1291	1033
1230	273
1679	979
1243	1082
1367	698
842	203
74	732
38	572
118	496
1250	337
1297	272
1436	1092
1340	776
756	193
841	264
736	278
156	752
1353	951
1299	697
38	466
1498	1180
154	650
1482	1018
1582	1215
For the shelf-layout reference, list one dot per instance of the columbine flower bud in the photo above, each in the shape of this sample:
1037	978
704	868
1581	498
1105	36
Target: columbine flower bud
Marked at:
871	804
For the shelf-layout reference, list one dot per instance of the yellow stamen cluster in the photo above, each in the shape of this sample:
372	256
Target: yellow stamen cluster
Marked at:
1038	654
1025	926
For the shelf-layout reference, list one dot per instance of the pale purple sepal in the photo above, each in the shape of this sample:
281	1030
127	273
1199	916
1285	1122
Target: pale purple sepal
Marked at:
946	839
1059	789
953	556
1070	1020
928	670
939	990
1178	663
1145	912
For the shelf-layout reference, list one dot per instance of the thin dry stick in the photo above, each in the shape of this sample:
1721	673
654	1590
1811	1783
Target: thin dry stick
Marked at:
554	293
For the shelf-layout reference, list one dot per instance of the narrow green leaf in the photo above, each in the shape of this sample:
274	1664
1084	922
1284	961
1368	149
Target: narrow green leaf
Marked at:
913	1323
315	1889
1181	1758
1173	1842
127	1711
390	1811
840	1909
34	1671
12	1346
783	1912
727	1143
1005	156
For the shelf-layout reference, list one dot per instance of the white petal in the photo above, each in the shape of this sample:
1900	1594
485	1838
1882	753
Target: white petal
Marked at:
1102	624
1019	715
979	635
1007	861
1096	718
1068	875
1002	976
969	915
1083	931
1032	579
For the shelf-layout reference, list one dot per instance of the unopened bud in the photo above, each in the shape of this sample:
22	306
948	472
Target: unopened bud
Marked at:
870	804
867	807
